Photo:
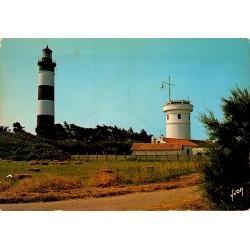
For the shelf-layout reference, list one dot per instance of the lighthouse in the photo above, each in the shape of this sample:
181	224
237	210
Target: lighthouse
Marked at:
46	110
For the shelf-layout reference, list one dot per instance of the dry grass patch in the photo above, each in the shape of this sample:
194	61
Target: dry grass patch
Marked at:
194	202
36	189
138	174
47	183
4	185
102	178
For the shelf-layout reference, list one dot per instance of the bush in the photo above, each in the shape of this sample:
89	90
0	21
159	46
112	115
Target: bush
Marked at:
24	146
227	168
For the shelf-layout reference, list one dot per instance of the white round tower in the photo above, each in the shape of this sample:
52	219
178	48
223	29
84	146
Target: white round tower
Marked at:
178	114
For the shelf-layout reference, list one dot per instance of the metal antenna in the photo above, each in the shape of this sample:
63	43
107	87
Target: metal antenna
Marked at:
169	88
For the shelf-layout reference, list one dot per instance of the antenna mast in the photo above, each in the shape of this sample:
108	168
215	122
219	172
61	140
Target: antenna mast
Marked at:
169	88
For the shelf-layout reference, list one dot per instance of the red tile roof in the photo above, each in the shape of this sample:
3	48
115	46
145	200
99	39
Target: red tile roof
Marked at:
185	142
155	146
171	144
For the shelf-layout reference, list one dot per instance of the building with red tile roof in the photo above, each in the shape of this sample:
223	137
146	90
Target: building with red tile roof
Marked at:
170	146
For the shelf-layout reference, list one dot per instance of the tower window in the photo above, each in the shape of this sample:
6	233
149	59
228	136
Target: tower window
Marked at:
179	116
167	117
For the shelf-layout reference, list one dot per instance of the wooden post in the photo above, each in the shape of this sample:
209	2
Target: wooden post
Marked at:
88	156
166	156
125	156
177	156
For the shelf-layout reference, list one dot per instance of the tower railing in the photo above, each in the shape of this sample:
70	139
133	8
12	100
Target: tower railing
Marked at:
43	59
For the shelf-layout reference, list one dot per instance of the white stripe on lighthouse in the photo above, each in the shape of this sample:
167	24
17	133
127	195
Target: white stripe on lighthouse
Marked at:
46	77
45	107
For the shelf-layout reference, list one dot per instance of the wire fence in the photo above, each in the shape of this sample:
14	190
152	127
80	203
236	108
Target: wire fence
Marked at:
125	157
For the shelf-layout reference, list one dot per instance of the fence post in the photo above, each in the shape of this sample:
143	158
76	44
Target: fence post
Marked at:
155	156
106	157
177	156
78	156
125	156
88	156
166	156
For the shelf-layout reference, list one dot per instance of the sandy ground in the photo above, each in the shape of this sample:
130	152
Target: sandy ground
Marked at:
136	201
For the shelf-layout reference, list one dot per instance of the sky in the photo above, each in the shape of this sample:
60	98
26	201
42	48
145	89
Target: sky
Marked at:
118	81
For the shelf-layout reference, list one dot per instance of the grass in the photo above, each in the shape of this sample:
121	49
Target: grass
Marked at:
4	185
133	172
93	179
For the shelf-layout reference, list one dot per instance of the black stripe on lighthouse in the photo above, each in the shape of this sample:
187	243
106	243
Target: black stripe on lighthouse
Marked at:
46	66
45	121
45	92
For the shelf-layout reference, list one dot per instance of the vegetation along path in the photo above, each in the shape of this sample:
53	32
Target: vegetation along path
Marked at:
134	201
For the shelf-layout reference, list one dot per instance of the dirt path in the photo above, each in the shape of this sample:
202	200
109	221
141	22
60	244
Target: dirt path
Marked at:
135	201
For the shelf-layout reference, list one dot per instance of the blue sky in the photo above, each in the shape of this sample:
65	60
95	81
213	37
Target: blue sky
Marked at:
118	81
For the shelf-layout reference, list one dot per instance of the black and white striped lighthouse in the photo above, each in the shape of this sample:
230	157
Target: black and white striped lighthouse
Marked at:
46	108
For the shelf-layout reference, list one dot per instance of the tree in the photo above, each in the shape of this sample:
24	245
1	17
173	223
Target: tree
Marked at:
4	129
17	128
227	168
60	132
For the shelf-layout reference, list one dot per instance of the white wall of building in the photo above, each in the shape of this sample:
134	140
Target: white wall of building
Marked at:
199	151
185	151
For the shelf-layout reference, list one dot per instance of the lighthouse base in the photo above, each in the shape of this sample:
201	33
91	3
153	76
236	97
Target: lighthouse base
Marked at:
45	126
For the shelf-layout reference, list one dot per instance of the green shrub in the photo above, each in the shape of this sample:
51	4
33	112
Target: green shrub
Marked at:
24	146
227	167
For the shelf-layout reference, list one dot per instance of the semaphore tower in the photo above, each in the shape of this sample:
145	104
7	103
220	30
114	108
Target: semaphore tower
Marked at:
178	114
